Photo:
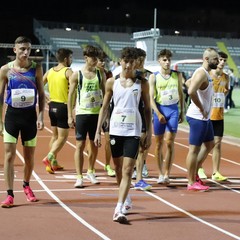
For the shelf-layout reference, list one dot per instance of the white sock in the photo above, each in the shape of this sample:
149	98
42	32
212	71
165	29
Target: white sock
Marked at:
119	207
128	199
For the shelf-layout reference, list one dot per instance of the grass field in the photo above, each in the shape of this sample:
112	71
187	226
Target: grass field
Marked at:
232	117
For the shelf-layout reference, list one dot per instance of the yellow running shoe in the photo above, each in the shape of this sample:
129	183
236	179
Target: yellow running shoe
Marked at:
109	170
201	173
218	177
49	170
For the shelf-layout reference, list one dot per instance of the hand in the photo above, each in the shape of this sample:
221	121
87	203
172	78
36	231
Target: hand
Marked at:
180	117
40	125
205	114
161	118
71	122
97	140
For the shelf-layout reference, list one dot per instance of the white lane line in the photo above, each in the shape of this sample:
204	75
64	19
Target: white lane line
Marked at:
73	190
181	210
72	145
177	166
210	154
193	216
64	206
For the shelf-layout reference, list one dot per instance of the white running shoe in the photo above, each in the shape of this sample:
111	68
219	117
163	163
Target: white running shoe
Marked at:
145	171
79	183
161	179
166	180
127	205
134	174
119	217
91	177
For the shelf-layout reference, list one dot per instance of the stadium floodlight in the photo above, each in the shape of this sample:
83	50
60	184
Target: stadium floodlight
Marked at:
152	33
147	39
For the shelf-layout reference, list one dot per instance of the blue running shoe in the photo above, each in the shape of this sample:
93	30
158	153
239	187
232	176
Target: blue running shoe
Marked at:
142	185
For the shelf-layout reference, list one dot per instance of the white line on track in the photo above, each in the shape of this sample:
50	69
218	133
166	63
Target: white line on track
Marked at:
193	216
64	206
149	193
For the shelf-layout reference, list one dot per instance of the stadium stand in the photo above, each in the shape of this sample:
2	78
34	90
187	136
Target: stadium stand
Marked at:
183	47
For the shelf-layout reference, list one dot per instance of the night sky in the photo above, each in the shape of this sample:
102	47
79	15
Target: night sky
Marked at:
17	18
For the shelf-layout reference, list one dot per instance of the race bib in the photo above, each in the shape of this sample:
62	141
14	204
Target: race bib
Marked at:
92	99
169	96
218	100
124	119
22	97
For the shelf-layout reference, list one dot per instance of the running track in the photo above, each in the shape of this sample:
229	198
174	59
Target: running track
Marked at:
170	213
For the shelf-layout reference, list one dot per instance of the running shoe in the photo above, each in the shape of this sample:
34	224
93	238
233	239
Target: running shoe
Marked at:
8	202
79	183
119	217
56	166
29	193
142	185
110	171
198	179
218	177
166	180
160	179
201	173
127	206
145	171
134	174
48	165
197	187
91	177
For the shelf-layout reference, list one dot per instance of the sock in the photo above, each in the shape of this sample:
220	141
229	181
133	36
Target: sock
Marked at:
79	176
128	199
51	156
25	184
10	192
54	162
119	207
90	171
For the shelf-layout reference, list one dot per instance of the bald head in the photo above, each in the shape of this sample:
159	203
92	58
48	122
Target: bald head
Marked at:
210	57
209	52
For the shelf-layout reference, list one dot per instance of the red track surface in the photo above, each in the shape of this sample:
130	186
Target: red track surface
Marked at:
170	213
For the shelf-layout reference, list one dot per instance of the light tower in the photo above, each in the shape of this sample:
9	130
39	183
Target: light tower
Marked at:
147	40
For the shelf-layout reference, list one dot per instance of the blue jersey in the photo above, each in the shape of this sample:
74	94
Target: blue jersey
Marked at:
21	88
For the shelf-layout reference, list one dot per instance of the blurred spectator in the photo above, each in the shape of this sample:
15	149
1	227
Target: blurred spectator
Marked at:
228	101
236	81
185	91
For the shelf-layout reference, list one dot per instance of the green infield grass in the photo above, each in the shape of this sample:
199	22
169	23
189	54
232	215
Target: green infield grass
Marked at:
232	117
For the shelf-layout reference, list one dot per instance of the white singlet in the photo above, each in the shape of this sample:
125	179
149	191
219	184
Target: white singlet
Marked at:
205	97
125	119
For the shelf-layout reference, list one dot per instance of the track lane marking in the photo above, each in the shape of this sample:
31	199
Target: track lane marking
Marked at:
63	205
178	208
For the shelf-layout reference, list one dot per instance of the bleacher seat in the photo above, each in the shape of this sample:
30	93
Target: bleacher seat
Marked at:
183	47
